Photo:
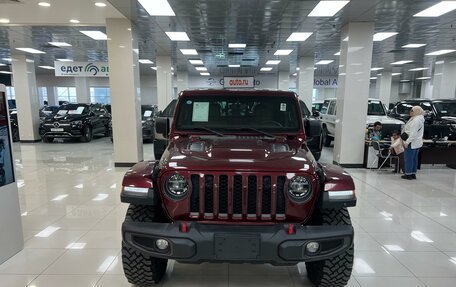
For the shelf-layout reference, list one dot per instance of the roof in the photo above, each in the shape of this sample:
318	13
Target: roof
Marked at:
241	92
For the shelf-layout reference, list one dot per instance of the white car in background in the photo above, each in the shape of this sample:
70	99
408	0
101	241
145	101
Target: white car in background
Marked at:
376	112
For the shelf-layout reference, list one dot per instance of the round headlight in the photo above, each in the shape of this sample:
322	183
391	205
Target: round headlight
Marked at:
299	188
176	185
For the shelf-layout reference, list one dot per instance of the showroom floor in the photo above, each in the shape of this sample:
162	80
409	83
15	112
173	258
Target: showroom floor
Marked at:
71	214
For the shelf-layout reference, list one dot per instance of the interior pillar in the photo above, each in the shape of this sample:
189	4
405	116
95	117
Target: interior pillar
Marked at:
284	81
444	79
383	87
82	90
164	81
182	81
306	80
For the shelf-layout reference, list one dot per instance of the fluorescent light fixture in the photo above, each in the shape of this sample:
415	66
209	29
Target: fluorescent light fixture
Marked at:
47	231
237	46
100	197
47	67
438	9
76	245
373	78
234	66
100	4
424	78
44	4
157	7
189	51
64	60
383	35
205	74
145	61
440	52
404	81
74	21
30	50
396	74
266	69
376	69
177	36
273	62
299	36
283	52
324	62
60	44
4	21
337	54
6	72
59	197
403	62
196	62
327	8
418	235
202	69
154	68
414	45
418	69
96	35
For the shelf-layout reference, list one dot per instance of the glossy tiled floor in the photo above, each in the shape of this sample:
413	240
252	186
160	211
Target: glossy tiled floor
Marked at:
71	214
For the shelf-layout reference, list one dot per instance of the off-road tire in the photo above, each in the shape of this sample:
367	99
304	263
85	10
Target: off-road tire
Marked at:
327	139
87	134
336	271
141	269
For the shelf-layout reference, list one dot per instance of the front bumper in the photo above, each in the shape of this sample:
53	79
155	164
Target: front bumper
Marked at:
226	243
66	132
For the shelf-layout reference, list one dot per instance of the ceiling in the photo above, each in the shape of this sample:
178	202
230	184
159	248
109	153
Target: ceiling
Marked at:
264	25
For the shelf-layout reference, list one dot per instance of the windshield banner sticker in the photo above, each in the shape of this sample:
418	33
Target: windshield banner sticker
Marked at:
200	112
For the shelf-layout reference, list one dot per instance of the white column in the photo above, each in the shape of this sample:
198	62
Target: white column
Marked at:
353	93
27	99
125	92
52	99
164	81
182	81
444	79
284	81
82	89
383	87
306	80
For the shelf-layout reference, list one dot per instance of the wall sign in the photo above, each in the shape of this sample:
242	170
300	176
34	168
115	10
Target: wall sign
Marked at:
325	82
238	82
81	69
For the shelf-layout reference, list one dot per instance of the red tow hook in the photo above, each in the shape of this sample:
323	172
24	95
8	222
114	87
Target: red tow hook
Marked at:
291	229
183	227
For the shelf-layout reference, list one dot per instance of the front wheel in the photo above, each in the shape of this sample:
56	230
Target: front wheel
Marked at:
87	134
326	138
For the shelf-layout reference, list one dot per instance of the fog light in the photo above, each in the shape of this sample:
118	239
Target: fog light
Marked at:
312	247
162	244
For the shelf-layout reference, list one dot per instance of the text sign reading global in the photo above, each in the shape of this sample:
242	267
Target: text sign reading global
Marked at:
81	69
238	82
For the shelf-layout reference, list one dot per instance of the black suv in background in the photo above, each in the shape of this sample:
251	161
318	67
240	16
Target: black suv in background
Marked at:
76	121
148	116
440	118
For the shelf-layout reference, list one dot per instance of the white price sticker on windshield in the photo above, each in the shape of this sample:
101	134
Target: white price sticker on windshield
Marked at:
200	112
283	107
147	114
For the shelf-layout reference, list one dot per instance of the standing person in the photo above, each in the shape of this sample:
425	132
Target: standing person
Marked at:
397	148
413	141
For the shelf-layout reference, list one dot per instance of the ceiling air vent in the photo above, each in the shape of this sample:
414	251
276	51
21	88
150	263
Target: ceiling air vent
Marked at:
235	53
248	60
222	66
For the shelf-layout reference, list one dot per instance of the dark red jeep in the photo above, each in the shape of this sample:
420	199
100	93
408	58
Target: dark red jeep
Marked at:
237	183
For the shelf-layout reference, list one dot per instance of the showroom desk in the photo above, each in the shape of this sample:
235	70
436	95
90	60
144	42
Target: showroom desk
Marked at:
370	154
438	152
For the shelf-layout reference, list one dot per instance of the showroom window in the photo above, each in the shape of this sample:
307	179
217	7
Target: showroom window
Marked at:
67	94
42	93
10	93
100	95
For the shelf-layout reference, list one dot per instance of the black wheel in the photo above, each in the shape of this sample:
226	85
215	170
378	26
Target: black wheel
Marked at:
47	139
15	134
141	269
159	148
87	134
107	132
335	271
326	138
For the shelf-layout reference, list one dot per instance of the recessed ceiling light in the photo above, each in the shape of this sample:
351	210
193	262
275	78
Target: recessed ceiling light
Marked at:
177	36
64	60
337	54
6	72
196	62
376	69
157	7
145	61
44	4
418	69
266	69
189	51
396	74
414	45
100	4
438	9
74	21
237	46
324	62
60	44
234	66
4	21
283	52
383	35
154	68
47	67
424	78
403	81
96	35
299	36
30	50
273	62
440	52
373	78
401	62
205	74
327	8
297	68
202	69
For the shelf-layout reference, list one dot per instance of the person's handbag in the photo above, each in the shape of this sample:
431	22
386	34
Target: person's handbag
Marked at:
404	136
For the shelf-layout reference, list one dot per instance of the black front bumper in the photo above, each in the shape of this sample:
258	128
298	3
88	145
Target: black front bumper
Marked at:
227	243
67	132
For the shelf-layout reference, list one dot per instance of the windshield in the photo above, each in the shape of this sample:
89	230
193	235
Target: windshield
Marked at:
375	108
274	114
317	106
446	109
73	110
147	112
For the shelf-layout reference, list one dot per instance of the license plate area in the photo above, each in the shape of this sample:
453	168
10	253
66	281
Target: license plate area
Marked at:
237	246
56	129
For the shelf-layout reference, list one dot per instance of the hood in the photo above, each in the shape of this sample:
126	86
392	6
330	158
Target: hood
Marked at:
243	153
449	119
384	120
67	118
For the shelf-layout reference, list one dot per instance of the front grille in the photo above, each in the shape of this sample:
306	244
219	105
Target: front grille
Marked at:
237	196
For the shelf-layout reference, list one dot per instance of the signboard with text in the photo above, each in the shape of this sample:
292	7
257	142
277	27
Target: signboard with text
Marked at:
238	82
81	69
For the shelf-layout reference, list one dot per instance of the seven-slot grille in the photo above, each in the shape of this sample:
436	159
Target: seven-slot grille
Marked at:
237	196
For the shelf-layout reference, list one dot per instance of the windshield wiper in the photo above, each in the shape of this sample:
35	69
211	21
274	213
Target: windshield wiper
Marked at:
255	130
209	130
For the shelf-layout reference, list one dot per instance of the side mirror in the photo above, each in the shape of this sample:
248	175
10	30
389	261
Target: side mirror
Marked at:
312	128
160	113
316	114
162	126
